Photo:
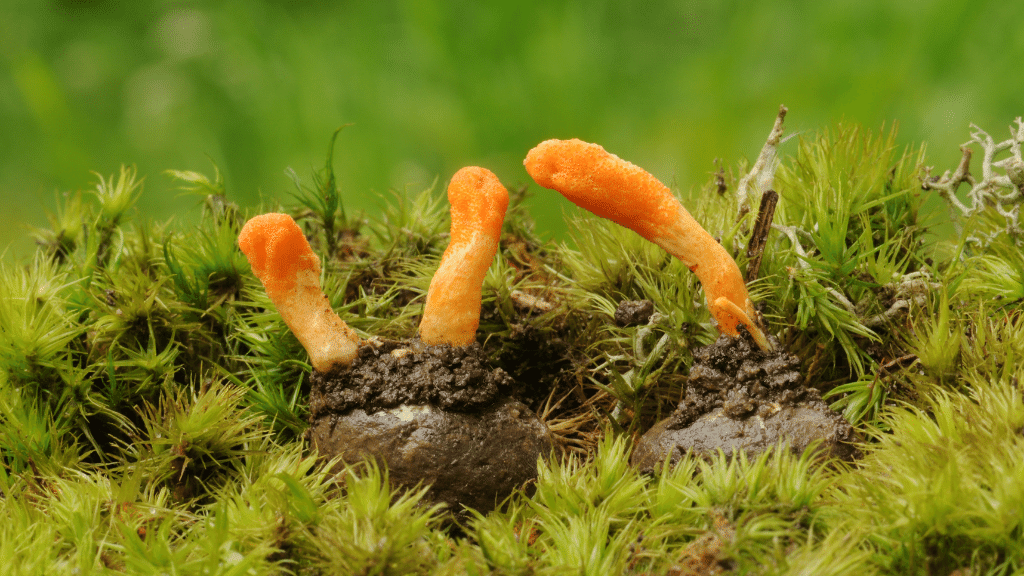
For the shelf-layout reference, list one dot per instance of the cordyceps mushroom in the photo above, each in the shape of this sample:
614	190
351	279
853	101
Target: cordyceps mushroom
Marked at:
284	262
430	409
478	204
626	194
738	397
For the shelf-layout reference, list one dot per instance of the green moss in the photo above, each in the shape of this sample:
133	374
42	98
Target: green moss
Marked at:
152	401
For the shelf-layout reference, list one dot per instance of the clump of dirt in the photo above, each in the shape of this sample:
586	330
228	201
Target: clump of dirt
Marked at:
634	312
741	379
741	398
390	373
468	459
434	415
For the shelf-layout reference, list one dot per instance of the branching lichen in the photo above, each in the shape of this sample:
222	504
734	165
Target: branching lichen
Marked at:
1003	192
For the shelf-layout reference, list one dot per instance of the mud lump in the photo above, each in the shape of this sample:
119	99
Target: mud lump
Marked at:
739	397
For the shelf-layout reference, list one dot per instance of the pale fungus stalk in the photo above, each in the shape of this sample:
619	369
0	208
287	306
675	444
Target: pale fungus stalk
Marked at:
624	193
282	259
452	312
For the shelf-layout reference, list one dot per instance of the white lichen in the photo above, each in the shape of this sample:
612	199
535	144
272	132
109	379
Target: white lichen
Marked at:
1002	192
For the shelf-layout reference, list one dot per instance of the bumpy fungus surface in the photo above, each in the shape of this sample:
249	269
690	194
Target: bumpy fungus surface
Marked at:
741	398
452	311
284	262
624	193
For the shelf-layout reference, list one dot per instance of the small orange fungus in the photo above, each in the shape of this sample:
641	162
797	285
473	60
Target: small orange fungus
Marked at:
452	312
282	259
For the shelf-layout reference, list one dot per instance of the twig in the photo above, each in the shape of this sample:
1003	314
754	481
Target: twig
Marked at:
759	236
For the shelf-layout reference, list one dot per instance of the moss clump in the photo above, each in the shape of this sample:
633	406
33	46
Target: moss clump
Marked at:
152	403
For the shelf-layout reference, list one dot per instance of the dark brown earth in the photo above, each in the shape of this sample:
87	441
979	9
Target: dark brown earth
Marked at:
740	398
435	415
390	373
634	312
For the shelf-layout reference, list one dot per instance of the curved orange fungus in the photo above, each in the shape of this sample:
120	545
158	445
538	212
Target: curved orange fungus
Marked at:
624	193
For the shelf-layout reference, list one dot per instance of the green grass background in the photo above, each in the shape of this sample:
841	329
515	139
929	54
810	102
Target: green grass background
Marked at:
258	86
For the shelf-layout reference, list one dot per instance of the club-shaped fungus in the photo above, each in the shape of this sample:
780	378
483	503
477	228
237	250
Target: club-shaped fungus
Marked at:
628	195
282	259
478	204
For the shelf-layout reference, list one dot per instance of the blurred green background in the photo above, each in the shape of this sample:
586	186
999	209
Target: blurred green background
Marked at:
258	86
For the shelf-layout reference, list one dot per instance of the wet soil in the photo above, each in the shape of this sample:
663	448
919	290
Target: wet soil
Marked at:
436	415
390	373
740	398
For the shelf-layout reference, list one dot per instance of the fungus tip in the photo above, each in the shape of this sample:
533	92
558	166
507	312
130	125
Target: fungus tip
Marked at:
730	316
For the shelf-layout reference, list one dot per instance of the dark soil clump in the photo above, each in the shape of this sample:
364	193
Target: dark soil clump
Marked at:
738	377
390	373
469	460
634	312
740	398
433	415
